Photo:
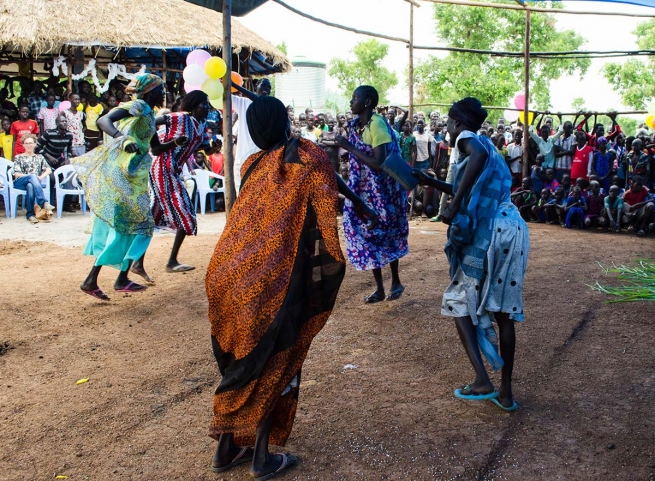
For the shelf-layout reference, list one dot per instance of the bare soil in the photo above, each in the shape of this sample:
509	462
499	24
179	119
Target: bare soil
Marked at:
584	378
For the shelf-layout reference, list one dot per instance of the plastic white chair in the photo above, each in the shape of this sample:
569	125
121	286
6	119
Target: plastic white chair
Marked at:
68	174
5	165
203	189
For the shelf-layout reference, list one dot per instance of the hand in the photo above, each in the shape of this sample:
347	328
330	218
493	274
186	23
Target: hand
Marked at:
449	213
343	142
422	177
364	212
612	115
130	147
181	140
587	115
613	225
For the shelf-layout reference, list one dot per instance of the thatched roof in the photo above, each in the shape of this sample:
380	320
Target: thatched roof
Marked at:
37	27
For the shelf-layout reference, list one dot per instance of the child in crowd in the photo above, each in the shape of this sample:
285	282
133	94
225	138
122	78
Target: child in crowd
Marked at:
613	209
602	164
616	180
539	209
6	139
550	182
575	208
582	157
47	116
595	205
328	143
525	198
637	206
566	185
555	210
408	144
636	161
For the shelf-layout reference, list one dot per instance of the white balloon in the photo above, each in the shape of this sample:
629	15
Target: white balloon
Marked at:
511	115
650	107
194	74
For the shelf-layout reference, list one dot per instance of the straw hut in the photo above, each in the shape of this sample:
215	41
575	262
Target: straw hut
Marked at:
156	33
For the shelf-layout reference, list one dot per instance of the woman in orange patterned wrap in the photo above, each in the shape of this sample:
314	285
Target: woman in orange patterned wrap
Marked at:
271	285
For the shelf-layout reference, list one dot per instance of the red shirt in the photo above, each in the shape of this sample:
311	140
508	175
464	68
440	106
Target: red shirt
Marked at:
633	198
18	129
217	161
580	162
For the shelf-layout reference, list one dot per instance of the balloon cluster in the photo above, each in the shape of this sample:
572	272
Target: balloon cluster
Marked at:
650	118
519	103
204	72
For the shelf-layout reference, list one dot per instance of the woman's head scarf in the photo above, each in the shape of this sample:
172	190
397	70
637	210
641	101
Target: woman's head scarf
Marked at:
268	122
142	84
469	111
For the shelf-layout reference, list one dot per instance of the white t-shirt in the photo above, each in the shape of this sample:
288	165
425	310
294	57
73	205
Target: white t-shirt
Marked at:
514	150
423	145
245	146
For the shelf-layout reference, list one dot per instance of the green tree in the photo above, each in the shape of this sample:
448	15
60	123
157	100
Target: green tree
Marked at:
634	79
282	48
578	104
367	69
495	80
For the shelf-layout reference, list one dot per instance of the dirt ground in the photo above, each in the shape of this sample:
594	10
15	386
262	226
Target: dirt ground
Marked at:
584	378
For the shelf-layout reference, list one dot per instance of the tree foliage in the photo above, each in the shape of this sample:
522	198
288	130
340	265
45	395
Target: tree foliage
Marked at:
495	80
635	79
367	69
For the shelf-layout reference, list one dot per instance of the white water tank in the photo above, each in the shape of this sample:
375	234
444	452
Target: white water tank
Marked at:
304	86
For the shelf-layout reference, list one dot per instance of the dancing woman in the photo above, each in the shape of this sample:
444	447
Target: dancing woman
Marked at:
370	141
487	249
173	208
271	285
115	180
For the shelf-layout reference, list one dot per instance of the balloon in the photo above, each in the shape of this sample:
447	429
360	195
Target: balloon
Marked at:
519	101
215	68
194	74
511	115
650	107
216	103
649	119
213	88
236	79
65	105
188	88
652	124
198	57
530	118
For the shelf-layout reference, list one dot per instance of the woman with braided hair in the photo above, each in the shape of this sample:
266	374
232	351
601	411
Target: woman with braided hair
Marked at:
115	180
487	249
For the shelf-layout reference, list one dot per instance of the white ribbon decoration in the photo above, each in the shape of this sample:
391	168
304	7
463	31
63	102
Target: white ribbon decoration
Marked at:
114	69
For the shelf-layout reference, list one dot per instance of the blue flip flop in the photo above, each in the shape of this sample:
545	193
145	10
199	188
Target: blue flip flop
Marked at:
513	407
475	397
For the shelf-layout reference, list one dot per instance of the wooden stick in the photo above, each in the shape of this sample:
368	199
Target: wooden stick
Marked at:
526	90
567	54
411	89
228	142
538	9
536	112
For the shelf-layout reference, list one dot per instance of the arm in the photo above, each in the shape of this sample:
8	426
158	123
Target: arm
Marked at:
359	205
245	92
403	117
414	153
591	160
541	118
592	165
158	148
616	128
425	179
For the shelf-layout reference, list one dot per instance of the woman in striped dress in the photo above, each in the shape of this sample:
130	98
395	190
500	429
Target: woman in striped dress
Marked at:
173	208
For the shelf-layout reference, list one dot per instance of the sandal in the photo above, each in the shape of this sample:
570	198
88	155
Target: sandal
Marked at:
98	294
180	268
513	407
396	293
467	394
288	461
132	287
238	459
375	297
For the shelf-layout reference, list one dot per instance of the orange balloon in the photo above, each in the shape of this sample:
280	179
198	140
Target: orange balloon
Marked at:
236	79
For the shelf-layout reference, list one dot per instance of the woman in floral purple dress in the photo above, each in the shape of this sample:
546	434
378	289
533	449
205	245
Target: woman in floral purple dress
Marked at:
370	140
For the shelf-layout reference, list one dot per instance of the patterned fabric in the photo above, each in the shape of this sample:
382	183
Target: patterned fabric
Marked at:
406	144
30	164
603	165
595	205
173	208
271	285
142	84
564	162
116	182
75	126
471	231
387	242
49	117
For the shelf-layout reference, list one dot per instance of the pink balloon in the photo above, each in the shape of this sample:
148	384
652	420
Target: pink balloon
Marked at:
188	88
198	57
65	105
519	101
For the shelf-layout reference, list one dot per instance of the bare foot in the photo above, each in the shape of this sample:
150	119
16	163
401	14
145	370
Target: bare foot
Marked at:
140	271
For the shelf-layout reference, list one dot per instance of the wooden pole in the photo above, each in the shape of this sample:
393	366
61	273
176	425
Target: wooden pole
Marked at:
526	91
163	71
228	152
411	89
69	63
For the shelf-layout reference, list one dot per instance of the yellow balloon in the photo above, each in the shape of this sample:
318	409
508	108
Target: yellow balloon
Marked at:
213	88
652	124
649	119
215	67
217	103
530	117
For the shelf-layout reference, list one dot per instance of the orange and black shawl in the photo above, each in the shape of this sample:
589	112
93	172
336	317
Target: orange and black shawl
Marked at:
271	284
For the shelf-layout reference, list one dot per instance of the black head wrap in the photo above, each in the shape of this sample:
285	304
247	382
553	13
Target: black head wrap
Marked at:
267	122
469	111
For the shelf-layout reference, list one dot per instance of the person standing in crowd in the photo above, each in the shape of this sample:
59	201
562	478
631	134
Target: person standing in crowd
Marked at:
115	180
47	116
397	123
173	208
598	129
93	112
582	157
245	145
56	145
309	131
408	144
423	141
602	164
328	143
487	249
23	126
515	157
75	124
36	99
6	140
30	171
546	143
371	140
564	150
620	149
279	249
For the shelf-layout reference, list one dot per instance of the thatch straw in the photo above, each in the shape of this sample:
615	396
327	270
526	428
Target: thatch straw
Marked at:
40	27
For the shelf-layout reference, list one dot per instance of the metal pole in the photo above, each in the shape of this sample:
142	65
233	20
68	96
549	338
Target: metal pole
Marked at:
228	152
526	90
